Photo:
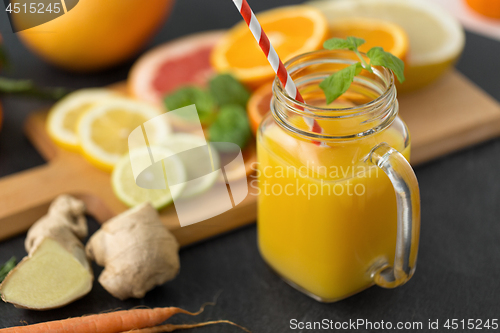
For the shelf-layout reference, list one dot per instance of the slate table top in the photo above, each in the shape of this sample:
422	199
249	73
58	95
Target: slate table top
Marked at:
458	274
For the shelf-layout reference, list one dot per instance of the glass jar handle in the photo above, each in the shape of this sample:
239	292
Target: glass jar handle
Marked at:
401	174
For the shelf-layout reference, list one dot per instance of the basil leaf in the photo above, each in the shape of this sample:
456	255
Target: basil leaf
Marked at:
231	125
379	57
205	104
338	83
225	89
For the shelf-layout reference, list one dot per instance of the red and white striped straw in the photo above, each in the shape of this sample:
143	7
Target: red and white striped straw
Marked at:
273	58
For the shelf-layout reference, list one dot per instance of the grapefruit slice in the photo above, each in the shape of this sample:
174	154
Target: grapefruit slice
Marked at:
185	61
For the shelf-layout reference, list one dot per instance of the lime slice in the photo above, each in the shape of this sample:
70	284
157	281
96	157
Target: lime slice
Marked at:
198	158
126	189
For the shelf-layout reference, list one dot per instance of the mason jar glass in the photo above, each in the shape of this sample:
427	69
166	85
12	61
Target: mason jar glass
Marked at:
338	209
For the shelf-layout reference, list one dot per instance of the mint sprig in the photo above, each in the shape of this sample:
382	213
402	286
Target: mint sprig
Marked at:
221	108
338	83
205	104
379	57
231	125
226	89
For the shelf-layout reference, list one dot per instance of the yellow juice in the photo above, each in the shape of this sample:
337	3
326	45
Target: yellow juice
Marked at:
326	217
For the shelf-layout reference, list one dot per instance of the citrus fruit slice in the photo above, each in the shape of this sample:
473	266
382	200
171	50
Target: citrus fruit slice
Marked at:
104	129
172	65
291	30
390	36
259	105
128	192
63	117
436	38
487	8
197	158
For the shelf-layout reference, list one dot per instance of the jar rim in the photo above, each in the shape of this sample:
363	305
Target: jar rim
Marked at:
361	120
381	72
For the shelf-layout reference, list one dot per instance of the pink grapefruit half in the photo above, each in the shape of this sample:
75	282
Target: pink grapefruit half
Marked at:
185	61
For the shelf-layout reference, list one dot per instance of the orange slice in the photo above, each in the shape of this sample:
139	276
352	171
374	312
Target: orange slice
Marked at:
487	8
292	30
390	36
259	105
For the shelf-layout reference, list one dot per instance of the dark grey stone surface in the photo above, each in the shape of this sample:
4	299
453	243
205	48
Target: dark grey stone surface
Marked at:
458	271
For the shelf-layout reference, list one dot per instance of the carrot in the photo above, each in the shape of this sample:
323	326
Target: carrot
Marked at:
112	322
172	327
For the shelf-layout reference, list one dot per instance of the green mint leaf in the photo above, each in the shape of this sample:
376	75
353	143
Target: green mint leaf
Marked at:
225	89
7	267
338	83
355	42
351	43
337	44
205	104
231	125
359	68
379	57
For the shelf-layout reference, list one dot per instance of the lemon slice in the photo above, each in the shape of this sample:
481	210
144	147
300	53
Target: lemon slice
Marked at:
63	117
436	38
128	192
198	158
104	129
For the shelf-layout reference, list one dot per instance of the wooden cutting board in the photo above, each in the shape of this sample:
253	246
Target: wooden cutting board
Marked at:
450	115
25	196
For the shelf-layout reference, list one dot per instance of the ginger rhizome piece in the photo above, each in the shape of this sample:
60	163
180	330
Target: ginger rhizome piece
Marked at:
56	271
137	251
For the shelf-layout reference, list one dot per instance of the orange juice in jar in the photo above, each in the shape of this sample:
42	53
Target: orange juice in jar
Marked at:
338	211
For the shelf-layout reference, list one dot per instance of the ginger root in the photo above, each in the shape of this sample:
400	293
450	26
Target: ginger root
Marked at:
56	271
137	251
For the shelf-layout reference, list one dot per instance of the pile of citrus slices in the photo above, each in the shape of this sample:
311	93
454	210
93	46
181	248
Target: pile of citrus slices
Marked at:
420	33
292	30
97	123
